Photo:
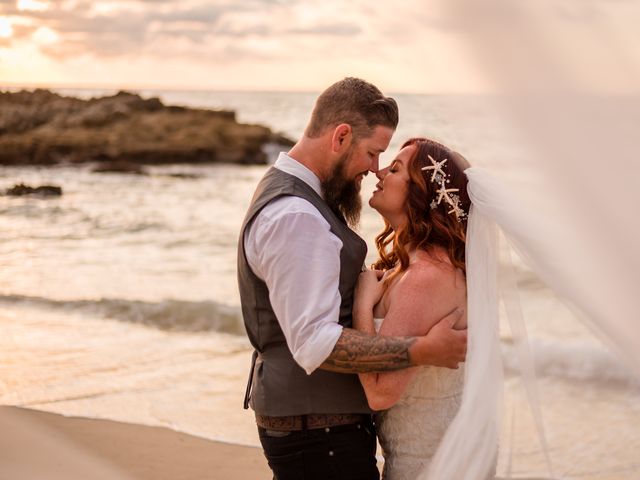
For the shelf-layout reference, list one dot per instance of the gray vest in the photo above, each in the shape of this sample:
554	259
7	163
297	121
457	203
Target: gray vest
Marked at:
278	386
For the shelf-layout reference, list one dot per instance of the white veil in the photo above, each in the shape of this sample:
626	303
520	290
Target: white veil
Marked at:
469	448
569	75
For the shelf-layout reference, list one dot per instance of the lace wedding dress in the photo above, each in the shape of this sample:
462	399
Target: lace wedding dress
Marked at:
411	430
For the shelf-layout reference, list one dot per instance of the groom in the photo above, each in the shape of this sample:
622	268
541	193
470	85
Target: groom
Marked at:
298	263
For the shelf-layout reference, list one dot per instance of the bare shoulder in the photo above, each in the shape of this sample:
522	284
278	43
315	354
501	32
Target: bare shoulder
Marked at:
428	291
431	275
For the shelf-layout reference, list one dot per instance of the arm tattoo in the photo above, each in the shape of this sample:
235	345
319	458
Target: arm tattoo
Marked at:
357	352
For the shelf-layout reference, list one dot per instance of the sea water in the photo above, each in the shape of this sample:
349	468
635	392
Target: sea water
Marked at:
118	300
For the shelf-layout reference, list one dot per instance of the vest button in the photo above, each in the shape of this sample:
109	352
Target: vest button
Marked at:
331	453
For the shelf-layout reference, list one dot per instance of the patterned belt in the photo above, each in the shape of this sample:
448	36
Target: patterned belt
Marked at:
314	420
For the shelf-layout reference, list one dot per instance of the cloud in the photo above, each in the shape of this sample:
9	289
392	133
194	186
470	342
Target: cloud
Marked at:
122	27
339	29
8	7
229	43
190	28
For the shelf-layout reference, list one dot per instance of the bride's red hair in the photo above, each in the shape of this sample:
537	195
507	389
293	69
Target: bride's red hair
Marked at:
426	228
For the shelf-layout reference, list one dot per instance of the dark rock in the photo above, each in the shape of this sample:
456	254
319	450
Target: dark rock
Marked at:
21	189
185	176
43	128
282	140
120	166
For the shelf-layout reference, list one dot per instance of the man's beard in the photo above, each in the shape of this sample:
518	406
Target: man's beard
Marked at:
342	194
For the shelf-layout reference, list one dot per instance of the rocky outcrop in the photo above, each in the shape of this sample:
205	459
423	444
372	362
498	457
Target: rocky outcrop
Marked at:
41	127
21	189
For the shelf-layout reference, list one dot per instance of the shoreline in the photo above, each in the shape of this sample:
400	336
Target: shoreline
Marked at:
36	444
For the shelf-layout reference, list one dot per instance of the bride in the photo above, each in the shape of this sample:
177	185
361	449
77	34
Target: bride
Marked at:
420	277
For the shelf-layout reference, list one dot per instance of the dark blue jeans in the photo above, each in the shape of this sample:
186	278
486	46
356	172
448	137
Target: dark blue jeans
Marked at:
345	452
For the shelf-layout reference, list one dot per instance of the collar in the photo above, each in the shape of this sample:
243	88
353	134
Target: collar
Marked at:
293	167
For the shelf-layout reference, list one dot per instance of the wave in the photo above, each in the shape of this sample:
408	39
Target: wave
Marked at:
69	220
170	315
581	361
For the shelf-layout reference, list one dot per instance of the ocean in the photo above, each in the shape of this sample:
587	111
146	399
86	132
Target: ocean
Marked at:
118	300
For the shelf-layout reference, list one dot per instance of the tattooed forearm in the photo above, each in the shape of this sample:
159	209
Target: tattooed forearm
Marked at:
357	352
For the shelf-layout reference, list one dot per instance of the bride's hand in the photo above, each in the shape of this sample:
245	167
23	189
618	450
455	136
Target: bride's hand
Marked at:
369	289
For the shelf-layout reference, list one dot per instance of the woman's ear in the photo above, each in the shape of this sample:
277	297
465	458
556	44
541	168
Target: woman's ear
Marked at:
342	137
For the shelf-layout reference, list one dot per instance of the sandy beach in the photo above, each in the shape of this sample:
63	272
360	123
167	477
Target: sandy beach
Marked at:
36	445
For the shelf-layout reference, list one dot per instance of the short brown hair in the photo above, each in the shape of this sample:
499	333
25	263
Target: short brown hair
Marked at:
355	102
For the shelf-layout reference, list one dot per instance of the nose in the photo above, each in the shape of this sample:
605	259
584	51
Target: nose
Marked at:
382	173
375	164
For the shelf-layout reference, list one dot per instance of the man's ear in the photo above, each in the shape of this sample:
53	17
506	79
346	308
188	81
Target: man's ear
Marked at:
341	138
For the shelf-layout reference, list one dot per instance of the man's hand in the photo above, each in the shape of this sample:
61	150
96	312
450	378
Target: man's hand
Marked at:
443	345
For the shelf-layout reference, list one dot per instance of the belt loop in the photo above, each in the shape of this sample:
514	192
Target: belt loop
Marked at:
304	424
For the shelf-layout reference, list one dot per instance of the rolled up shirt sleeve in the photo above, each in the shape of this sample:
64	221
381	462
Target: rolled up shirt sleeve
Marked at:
296	255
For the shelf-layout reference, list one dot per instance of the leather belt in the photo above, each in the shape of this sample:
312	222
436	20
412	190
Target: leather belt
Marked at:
315	420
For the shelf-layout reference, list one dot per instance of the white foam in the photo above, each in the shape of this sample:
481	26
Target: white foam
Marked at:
578	360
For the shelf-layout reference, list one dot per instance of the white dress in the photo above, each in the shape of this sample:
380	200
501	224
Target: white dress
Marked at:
410	431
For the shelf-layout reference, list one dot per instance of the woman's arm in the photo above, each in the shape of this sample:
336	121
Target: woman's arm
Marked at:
421	298
368	293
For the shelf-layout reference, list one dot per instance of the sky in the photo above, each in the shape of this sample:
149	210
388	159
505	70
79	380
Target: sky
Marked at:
298	45
413	46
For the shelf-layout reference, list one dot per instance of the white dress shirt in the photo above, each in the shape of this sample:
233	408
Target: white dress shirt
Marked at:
289	246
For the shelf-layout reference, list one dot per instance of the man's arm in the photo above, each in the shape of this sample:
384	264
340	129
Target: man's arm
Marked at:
357	352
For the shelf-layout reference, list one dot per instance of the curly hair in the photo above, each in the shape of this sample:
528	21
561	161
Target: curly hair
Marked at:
426	228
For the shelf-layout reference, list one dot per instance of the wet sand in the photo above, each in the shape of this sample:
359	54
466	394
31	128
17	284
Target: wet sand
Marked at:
36	445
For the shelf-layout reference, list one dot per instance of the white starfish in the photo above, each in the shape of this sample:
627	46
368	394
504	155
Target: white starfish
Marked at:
436	167
444	193
457	210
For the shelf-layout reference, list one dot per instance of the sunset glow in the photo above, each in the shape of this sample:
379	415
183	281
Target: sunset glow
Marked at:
6	29
408	46
32	5
44	36
220	45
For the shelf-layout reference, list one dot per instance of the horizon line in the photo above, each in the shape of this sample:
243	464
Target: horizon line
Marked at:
175	88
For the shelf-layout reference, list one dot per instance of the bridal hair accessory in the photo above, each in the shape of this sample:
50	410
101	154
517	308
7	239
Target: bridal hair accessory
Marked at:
439	177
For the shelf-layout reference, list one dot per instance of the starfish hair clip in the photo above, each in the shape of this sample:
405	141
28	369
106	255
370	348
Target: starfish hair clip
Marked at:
448	195
437	168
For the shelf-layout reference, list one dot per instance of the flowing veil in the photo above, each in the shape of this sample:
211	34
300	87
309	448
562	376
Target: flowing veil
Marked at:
469	448
473	436
577	116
